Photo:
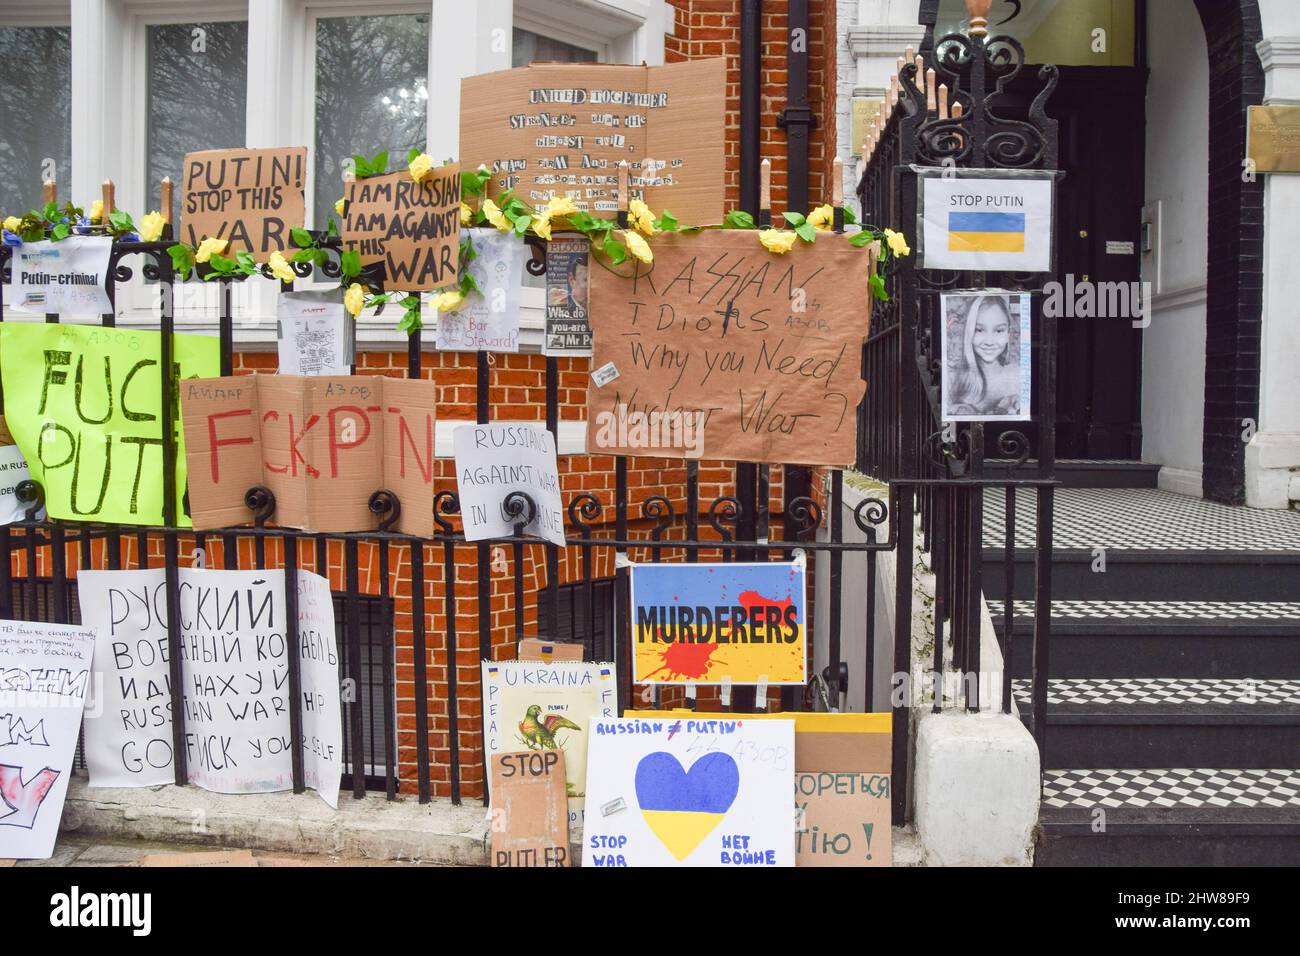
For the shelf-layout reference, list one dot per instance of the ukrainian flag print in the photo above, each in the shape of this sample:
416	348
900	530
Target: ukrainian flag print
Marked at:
986	232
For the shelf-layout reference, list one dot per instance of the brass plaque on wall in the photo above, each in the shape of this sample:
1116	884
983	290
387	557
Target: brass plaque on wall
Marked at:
864	111
1273	138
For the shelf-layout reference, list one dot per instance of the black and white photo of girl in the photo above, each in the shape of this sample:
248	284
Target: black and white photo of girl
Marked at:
986	356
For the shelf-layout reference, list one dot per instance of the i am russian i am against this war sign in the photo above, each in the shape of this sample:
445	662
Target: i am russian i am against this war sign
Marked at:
412	228
715	623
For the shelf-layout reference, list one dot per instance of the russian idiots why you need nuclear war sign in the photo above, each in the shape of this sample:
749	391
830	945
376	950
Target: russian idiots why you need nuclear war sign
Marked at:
234	680
722	349
322	444
561	129
252	197
715	623
84	404
412	229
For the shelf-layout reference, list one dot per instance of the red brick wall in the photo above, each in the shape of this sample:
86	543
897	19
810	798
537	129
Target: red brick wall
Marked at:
704	28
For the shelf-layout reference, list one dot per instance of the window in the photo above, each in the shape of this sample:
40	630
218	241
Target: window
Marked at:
575	624
371	95
529	47
197	76
35	114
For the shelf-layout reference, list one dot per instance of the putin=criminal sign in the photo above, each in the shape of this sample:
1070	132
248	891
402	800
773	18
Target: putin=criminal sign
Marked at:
412	228
250	196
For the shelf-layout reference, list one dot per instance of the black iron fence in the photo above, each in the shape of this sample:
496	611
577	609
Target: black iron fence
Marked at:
653	530
957	118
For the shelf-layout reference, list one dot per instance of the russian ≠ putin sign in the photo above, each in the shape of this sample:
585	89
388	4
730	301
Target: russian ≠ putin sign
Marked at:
1002	225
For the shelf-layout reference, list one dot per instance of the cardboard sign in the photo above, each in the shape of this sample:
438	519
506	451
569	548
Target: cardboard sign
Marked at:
494	460
715	623
322	445
730	351
67	277
561	129
314	336
697	791
84	404
991	224
530	816
412	228
539	707
567	271
235	669
535	649
842	784
252	197
44	674
488	322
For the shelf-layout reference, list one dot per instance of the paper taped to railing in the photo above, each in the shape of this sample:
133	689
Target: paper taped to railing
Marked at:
235	681
67	277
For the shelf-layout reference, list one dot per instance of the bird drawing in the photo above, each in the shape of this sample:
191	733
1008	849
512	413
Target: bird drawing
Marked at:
539	732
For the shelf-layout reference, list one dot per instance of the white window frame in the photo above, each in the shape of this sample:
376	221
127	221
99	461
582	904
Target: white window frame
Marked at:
109	99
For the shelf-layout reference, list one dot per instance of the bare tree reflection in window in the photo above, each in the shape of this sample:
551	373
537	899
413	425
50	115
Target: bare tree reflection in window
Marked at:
371	95
197	98
35	114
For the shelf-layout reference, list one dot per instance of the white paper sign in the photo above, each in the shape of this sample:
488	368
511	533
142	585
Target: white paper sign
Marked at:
13	472
990	224
66	277
488	322
312	334
494	460
705	790
235	681
44	673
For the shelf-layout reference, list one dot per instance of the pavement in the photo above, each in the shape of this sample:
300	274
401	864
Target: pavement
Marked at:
74	851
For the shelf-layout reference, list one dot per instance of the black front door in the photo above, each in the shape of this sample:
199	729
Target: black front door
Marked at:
1101	112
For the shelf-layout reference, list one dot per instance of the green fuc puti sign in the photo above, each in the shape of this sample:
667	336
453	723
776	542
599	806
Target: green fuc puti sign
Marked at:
84	405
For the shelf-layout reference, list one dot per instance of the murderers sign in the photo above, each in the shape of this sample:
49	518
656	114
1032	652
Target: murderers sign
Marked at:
719	623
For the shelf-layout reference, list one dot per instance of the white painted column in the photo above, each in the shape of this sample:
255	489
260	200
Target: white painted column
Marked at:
99	68
482	44
867	56
1273	455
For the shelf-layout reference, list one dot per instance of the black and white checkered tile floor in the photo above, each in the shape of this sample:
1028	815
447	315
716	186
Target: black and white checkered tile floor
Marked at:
1161	691
1145	519
1189	611
1171	788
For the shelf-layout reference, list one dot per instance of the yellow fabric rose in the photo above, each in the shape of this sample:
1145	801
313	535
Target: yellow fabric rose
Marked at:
559	206
542	225
420	166
776	240
466	214
12	223
151	227
280	267
354	300
496	216
209	247
97	210
338	206
638	247
823	217
897	243
448	301
641	218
